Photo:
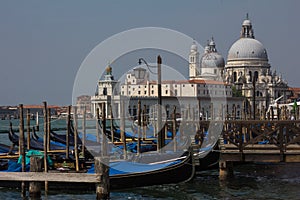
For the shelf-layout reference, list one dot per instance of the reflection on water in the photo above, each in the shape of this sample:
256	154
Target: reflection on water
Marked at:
260	181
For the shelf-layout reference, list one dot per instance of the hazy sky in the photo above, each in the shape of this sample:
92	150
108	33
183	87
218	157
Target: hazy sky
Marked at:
43	43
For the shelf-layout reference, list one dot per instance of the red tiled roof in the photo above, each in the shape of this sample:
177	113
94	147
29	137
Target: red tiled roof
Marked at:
212	82
39	106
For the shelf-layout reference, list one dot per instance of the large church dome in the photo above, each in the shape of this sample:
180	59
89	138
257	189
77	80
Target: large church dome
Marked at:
247	47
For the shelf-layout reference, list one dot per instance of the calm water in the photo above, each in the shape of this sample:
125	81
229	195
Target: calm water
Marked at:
251	181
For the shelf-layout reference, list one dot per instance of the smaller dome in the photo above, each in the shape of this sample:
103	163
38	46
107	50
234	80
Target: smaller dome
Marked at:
212	60
194	47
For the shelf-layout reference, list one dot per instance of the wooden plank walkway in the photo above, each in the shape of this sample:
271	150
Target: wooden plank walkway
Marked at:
50	176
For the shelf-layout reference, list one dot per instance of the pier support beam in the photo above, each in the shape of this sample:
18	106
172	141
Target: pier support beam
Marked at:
35	187
225	169
102	170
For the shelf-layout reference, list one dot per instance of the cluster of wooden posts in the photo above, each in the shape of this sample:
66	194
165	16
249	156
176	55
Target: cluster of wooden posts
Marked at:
38	174
39	170
241	144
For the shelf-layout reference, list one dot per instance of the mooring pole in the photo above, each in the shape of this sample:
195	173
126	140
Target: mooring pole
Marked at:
45	143
21	146
37	121
139	128
35	186
122	128
68	132
98	125
84	131
48	128
111	124
174	124
161	135
102	162
28	128
75	139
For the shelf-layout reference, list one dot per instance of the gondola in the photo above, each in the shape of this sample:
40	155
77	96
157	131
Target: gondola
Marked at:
5	148
62	138
34	142
176	172
211	160
124	174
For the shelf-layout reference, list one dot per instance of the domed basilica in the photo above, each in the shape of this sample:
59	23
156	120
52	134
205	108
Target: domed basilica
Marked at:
247	69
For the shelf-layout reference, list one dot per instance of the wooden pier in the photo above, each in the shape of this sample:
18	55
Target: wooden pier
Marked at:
267	141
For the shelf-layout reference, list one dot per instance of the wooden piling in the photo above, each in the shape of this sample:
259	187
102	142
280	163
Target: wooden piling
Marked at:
111	124
144	123
37	121
174	124
139	128
76	139
225	170
68	132
45	143
83	131
22	148
101	163
212	111
102	187
28	128
122	129
35	186
98	125
48	128
103	135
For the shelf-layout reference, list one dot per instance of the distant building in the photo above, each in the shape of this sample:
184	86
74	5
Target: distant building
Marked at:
294	94
213	87
210	66
248	69
194	97
83	103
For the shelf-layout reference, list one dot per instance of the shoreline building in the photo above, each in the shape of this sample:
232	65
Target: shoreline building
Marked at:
199	96
244	84
249	71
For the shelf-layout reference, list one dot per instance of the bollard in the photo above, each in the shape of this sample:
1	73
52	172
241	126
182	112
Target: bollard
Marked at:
101	169
35	186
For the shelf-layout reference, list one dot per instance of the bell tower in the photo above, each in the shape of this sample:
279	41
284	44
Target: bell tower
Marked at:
194	65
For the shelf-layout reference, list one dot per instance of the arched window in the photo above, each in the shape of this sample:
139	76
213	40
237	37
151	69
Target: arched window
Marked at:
250	76
129	110
234	77
134	112
256	75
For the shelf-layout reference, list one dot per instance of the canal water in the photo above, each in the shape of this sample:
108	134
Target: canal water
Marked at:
250	181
